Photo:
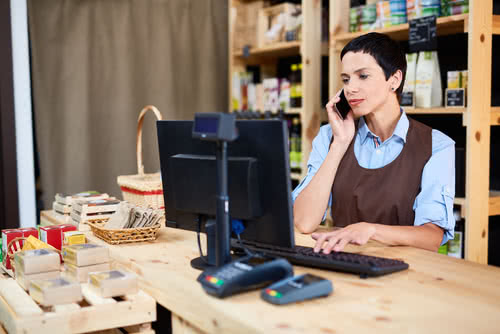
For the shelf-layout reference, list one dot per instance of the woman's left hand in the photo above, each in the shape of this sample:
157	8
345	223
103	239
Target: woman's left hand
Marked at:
358	234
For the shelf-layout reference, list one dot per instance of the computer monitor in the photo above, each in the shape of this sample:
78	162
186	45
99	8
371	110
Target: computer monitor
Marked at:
258	181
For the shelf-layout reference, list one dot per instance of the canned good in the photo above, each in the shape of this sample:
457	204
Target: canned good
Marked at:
368	13
397	6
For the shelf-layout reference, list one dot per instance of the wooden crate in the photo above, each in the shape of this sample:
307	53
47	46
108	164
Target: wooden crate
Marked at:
133	313
267	17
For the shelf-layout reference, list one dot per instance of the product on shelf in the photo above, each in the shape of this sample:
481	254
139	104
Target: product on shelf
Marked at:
24	280
10	234
85	254
408	96
428	87
37	261
271	94
295	146
245	23
398	12
113	283
81	274
384	14
55	292
53	235
421	8
66	199
454	7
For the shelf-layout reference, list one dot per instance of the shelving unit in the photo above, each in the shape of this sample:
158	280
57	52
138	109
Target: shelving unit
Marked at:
310	48
480	24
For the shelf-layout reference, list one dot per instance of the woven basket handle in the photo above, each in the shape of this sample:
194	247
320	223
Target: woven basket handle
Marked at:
140	166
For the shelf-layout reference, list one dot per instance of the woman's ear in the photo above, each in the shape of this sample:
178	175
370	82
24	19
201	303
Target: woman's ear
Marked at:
396	80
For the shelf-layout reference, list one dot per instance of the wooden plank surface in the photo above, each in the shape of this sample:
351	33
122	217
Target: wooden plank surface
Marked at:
18	315
441	110
478	131
438	294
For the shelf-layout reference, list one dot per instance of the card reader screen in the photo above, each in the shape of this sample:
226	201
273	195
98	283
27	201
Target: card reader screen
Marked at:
308	279
206	125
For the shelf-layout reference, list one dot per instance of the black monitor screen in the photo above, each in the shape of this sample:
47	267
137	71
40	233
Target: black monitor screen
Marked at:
259	155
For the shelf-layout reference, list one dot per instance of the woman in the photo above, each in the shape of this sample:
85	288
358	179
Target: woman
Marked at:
386	177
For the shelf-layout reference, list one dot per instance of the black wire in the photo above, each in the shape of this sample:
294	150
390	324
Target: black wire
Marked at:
247	251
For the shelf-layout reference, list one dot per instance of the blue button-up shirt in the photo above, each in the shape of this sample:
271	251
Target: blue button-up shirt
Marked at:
434	203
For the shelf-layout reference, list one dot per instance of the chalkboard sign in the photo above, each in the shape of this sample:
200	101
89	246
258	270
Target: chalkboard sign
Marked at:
422	34
455	97
407	99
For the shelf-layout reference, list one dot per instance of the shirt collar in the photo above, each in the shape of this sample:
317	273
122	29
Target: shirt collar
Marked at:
401	129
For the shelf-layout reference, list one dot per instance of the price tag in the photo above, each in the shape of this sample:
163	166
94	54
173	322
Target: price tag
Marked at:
455	97
422	34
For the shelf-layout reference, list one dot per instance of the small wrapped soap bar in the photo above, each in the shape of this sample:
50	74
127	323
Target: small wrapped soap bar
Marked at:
24	280
81	274
85	254
114	283
37	261
74	238
55	292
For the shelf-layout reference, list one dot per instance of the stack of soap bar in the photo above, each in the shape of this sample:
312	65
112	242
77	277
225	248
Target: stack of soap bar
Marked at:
88	211
35	265
113	283
63	202
55	291
82	259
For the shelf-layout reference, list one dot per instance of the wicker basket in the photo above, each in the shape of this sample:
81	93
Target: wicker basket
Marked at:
142	189
126	235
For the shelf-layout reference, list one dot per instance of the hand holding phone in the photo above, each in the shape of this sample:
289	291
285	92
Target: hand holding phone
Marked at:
342	107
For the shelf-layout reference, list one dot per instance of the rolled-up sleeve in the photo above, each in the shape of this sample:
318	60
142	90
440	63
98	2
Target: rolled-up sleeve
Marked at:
434	203
320	147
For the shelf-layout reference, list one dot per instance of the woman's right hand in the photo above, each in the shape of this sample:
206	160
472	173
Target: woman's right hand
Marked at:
342	129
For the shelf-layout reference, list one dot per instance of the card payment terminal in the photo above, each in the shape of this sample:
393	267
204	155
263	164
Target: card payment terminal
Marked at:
247	273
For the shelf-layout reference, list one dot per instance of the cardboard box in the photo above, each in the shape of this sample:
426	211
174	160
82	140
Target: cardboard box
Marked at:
7	236
114	283
81	274
37	261
24	280
85	254
55	291
53	235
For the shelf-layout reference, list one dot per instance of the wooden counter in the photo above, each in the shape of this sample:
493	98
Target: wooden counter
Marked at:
438	294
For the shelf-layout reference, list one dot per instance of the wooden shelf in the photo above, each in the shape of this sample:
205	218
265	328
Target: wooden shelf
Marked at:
440	110
496	25
445	26
494	204
278	50
294	111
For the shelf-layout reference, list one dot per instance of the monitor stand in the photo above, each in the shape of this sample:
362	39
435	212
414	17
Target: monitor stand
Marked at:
208	261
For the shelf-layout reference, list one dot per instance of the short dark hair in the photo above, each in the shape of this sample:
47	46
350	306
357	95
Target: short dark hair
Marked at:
386	51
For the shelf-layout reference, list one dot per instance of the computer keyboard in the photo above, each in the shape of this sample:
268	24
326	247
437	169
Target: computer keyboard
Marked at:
363	265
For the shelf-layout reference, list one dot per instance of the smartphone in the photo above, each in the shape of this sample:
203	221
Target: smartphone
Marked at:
342	107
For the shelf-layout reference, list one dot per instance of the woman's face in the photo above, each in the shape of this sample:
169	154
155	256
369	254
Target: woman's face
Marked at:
365	86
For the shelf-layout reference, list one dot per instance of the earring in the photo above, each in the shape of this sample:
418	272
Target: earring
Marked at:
393	89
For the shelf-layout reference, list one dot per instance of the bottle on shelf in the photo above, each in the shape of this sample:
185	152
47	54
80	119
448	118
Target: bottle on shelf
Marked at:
295	146
293	85
298	87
